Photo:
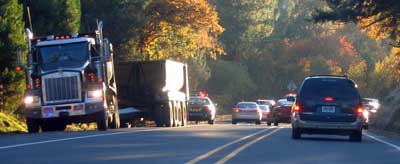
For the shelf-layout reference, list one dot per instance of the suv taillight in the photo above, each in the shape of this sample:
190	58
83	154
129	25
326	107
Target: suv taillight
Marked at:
360	110
296	108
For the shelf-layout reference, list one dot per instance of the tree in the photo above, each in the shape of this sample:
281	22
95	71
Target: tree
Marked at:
379	18
180	29
11	38
123	24
55	16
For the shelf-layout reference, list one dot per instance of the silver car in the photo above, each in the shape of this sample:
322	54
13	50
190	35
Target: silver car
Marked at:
265	109
246	112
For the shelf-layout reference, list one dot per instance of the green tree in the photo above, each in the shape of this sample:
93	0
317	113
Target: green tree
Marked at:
55	16
11	38
123	24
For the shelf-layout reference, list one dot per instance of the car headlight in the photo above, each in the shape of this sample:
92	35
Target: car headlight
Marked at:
95	94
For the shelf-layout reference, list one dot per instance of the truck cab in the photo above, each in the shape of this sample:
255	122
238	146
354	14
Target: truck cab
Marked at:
70	79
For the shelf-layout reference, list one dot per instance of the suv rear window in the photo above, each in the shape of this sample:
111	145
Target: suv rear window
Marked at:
319	88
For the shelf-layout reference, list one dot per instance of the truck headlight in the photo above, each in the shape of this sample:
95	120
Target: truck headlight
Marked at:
95	94
29	99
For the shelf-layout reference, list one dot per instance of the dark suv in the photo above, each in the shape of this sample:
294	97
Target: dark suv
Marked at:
328	104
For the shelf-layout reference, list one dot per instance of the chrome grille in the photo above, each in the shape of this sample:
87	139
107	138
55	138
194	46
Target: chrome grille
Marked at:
61	88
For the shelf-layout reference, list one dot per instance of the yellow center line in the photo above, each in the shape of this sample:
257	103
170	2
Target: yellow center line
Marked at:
208	154
245	146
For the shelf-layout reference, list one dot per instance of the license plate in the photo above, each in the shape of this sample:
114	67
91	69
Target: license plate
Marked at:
196	109
328	109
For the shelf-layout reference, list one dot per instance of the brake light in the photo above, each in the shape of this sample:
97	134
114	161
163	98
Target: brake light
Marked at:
328	99
360	110
236	110
296	108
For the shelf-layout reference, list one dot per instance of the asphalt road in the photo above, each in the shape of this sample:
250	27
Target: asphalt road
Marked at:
220	143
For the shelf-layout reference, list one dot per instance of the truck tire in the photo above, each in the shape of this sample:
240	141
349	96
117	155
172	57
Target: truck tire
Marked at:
33	125
47	127
178	114
102	121
184	114
60	125
158	115
115	122
168	115
258	122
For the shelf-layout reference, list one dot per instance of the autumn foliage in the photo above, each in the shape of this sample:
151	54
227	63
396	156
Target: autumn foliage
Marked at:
181	29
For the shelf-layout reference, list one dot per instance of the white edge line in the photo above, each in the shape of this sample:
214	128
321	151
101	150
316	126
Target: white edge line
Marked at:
383	141
74	138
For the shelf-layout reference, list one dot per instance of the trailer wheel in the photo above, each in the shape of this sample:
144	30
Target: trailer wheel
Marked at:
33	125
169	115
184	115
178	114
102	121
115	122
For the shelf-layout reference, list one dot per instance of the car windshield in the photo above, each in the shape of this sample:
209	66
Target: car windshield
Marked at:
339	89
246	105
63	55
199	101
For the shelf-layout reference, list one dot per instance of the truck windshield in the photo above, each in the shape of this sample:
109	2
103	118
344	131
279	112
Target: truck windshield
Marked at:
63	55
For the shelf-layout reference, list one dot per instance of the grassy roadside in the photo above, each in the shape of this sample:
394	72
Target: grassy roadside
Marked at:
9	124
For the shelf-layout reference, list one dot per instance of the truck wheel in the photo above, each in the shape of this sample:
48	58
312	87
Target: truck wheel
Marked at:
102	121
33	125
60	126
158	115
169	116
269	123
115	123
178	115
276	123
49	125
258	122
184	115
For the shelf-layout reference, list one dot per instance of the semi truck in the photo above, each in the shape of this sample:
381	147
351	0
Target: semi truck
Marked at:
69	79
74	79
158	89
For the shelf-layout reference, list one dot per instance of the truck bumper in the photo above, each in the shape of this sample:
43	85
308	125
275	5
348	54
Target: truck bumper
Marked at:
64	110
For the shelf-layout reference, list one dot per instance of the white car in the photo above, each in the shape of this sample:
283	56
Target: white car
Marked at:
247	112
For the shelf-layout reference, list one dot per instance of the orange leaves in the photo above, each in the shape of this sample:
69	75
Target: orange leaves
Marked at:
181	29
